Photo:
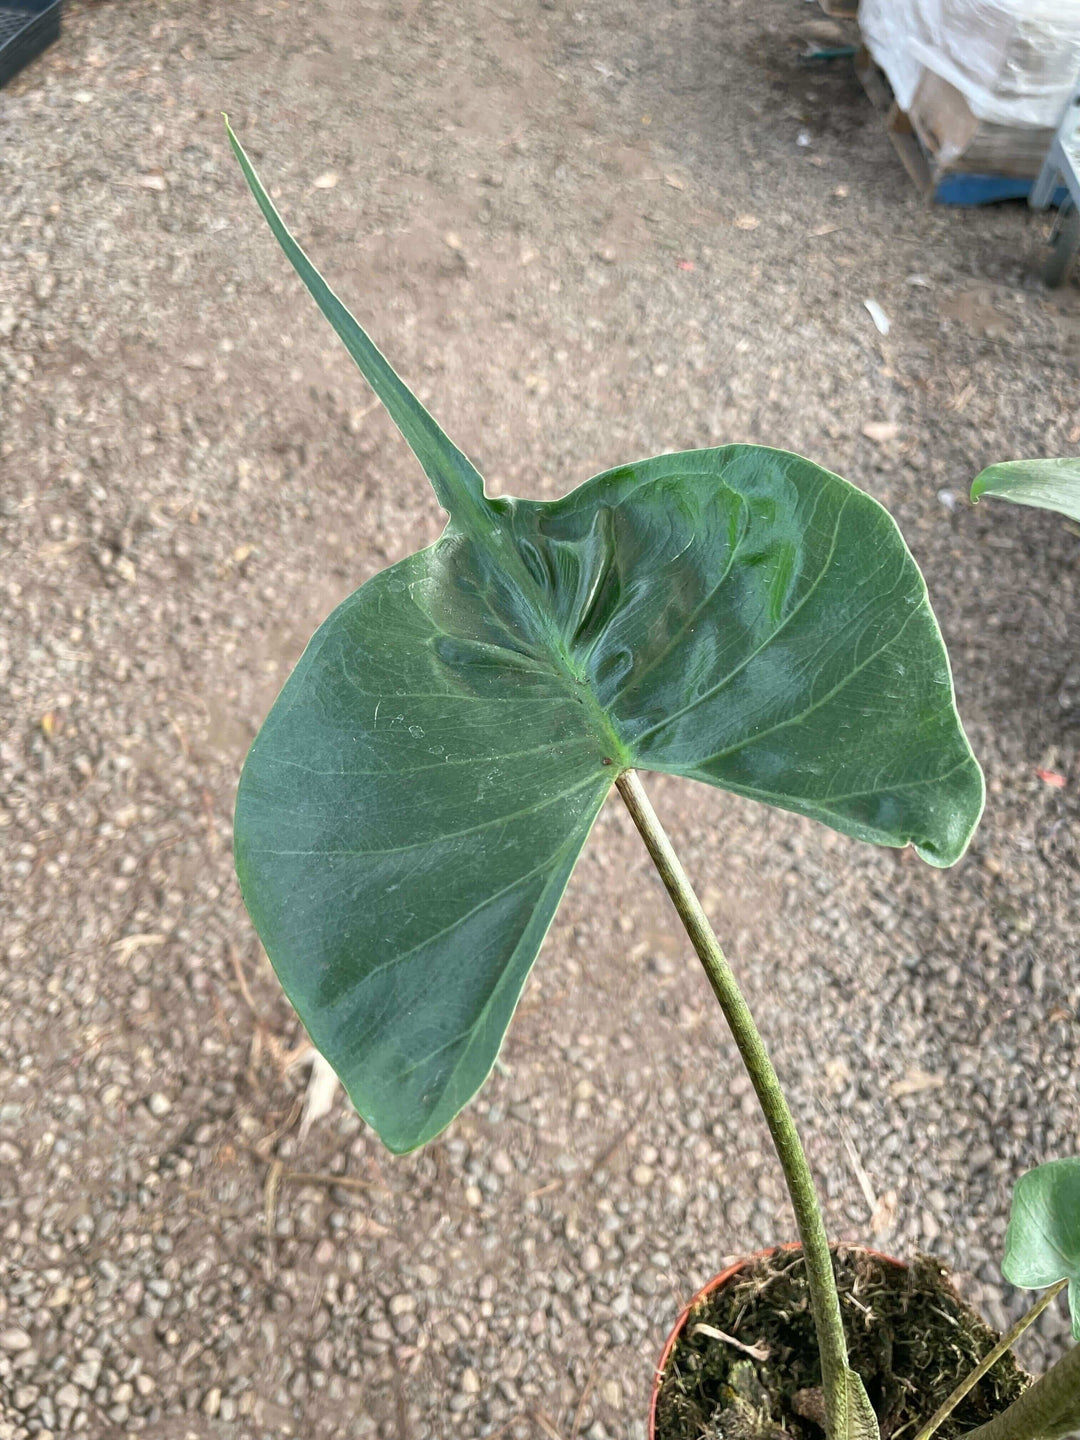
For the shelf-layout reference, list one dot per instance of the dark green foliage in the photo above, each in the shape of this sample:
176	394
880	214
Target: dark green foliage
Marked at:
411	811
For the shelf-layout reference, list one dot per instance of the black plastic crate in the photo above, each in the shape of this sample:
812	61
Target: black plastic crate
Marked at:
26	27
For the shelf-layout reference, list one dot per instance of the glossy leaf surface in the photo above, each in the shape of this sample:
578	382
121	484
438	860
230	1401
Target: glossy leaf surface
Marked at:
1047	484
1042	1242
412	808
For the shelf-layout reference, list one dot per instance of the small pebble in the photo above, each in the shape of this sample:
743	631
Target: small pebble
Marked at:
470	1381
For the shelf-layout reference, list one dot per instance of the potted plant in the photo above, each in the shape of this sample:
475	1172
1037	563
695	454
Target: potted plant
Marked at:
411	810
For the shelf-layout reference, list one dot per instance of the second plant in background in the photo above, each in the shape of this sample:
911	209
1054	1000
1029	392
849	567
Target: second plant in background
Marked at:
1046	484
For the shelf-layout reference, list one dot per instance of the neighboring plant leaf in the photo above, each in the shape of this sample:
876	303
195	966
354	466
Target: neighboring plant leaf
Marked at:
1048	484
862	1423
410	812
1042	1242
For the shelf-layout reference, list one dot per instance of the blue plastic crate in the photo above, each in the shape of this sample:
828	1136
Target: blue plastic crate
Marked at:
959	188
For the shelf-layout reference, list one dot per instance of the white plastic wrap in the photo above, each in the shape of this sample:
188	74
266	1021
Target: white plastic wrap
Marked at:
1016	62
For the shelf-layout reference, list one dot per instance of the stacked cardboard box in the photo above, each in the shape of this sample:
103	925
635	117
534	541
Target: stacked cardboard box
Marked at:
983	83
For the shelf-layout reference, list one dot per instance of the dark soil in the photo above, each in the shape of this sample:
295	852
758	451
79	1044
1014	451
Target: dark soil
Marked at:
910	1337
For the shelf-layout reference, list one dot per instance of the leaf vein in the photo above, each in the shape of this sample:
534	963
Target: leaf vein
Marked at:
817	704
441	838
795	610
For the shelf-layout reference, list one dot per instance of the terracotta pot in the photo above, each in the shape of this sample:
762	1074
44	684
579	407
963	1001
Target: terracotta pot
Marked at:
714	1284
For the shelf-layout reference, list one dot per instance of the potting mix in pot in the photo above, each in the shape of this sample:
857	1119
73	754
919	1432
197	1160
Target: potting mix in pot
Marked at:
744	1360
413	806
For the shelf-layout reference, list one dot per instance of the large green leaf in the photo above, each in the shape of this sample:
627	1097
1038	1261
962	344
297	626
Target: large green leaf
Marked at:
1047	484
1042	1242
412	808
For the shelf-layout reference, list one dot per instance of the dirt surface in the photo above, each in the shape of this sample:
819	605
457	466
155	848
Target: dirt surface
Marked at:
586	233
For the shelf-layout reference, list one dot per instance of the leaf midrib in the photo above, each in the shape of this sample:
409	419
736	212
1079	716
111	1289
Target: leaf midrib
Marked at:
389	774
435	839
551	637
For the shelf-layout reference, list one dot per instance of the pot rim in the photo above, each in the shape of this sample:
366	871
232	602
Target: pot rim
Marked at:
714	1284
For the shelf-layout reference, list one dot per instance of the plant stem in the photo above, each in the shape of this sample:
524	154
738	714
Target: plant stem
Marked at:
1007	1341
824	1299
1048	1407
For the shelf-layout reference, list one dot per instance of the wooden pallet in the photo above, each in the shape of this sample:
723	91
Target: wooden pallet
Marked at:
897	125
942	185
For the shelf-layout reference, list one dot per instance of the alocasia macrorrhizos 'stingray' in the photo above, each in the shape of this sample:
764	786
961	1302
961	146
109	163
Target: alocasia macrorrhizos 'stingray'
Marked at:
411	810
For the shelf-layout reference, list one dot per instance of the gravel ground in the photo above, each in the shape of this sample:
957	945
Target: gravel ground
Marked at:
588	236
